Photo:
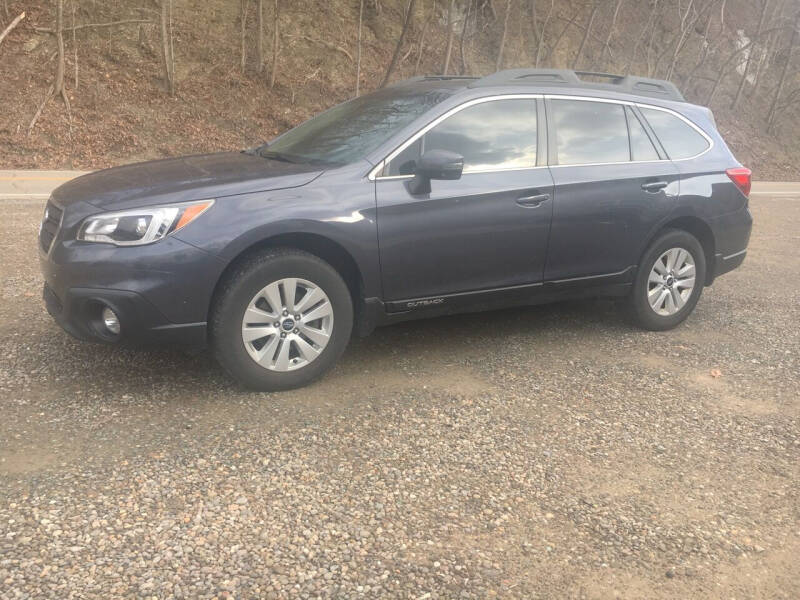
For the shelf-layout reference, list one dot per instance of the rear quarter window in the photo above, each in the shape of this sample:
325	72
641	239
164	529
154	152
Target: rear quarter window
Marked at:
678	138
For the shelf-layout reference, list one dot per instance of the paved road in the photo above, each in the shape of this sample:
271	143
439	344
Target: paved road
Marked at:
549	452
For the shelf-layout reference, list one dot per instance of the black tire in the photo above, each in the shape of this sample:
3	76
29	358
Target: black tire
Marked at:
638	306
234	296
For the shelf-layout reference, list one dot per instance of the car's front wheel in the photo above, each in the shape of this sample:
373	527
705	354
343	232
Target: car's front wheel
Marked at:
669	281
280	320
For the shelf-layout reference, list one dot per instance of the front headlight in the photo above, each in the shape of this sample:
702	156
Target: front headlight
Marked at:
140	226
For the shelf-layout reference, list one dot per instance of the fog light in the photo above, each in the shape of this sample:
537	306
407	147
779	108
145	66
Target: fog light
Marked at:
110	320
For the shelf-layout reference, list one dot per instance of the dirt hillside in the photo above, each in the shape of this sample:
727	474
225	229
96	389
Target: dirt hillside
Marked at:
121	111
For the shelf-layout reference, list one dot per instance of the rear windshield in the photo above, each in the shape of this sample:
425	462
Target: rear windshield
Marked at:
352	130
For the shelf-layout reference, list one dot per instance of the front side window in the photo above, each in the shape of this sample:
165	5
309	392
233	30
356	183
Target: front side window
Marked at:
590	132
679	139
493	135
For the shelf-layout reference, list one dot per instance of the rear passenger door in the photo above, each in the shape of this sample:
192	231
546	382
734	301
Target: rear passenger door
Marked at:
612	182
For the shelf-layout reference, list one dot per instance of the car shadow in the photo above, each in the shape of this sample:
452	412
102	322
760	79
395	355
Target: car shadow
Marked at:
103	370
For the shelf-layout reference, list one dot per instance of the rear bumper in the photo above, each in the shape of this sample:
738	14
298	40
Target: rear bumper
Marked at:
724	264
731	237
78	312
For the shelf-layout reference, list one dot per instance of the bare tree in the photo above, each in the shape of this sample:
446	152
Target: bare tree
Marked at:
749	61
57	88
358	55
260	39
653	28
648	25
275	44
587	32
462	44
74	46
607	44
449	49
765	57
722	70
503	35
243	32
542	32
706	47
422	35
684	28
11	26
167	56
784	74
399	46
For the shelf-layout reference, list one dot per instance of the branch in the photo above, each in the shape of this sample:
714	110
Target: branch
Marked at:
13	24
87	25
328	45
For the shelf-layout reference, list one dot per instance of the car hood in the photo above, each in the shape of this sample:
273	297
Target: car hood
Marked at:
183	180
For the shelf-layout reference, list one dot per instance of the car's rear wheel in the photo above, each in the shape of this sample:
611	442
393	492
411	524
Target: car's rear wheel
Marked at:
280	320
669	281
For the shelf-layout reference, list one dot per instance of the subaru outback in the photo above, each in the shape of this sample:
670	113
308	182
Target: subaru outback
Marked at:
436	195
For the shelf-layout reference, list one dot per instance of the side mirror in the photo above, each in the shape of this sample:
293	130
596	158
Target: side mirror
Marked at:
435	164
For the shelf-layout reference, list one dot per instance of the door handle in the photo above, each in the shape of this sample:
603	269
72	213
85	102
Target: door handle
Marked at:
655	186
533	201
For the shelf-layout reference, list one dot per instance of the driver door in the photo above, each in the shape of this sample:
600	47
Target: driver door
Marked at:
487	230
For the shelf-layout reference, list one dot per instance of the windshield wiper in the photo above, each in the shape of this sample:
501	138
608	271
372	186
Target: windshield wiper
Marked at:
277	156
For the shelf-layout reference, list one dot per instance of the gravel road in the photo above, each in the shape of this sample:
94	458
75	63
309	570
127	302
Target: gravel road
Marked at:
548	452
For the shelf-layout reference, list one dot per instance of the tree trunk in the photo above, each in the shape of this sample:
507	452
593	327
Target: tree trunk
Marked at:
723	69
540	43
399	46
11	26
640	39
464	67
358	52
166	46
449	48
74	46
586	34
656	7
58	86
685	27
764	60
499	62
607	45
260	36
275	42
749	61
243	32
142	14
422	35
784	73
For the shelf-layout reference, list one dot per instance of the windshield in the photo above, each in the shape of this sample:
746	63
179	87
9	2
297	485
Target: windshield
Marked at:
351	130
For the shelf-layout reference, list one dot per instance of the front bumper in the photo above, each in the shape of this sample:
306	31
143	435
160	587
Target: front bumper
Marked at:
79	310
160	292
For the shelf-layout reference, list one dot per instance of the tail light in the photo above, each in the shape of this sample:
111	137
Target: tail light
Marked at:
741	177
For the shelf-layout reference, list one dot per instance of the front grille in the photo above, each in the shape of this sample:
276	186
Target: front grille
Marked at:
50	224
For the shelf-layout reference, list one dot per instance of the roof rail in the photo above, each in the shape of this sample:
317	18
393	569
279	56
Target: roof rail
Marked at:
419	78
630	84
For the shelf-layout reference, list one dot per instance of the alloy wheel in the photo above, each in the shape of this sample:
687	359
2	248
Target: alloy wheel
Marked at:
671	281
287	324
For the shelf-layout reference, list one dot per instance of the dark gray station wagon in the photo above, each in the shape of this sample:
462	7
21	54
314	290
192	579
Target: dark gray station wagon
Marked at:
435	195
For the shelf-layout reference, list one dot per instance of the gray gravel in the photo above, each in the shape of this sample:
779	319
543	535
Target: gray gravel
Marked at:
550	452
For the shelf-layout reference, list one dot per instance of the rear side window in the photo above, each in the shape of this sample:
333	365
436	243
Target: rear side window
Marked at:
494	135
590	132
679	139
641	146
